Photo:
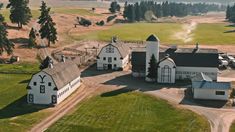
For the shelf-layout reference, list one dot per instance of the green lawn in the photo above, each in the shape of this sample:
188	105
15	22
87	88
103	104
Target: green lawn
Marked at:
15	114
19	68
135	32
232	128
126	112
214	34
82	12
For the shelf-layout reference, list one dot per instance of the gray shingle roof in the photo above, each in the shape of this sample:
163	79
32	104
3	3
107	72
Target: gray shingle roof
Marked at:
211	85
123	49
63	73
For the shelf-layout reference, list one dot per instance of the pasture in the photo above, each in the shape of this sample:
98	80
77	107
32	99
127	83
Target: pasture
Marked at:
15	114
206	34
215	34
134	32
232	128
133	111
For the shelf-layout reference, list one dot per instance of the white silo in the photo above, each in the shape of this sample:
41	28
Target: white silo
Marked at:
152	48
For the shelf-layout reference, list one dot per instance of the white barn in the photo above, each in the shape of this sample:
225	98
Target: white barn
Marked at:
54	84
113	56
204	88
174	63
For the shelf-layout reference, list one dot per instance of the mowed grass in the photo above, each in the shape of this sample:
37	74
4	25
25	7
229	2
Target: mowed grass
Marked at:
232	128
126	112
135	32
76	11
19	68
15	114
215	34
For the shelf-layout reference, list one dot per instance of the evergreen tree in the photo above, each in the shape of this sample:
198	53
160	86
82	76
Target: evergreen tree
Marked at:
5	43
152	70
1	16
114	7
20	12
125	12
137	12
32	38
48	29
228	12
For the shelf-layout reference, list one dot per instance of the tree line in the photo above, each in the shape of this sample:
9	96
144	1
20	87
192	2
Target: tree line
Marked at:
230	13
20	14
142	10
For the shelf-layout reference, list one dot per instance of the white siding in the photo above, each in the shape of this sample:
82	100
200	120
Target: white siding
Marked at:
189	72
46	98
68	90
210	94
171	66
42	98
120	63
152	48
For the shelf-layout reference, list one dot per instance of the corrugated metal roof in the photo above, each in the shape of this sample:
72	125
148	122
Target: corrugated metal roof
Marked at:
63	73
211	85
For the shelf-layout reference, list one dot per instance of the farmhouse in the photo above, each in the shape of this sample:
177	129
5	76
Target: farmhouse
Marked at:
113	56
204	88
53	84
174	63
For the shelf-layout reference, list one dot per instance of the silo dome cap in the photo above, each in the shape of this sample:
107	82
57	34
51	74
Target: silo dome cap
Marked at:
153	38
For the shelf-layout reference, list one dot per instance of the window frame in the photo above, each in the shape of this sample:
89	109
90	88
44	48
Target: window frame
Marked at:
42	89
220	93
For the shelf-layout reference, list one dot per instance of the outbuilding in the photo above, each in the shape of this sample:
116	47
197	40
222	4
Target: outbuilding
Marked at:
204	88
113	56
54	84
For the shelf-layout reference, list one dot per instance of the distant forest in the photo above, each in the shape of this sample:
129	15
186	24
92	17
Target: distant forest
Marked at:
224	2
146	10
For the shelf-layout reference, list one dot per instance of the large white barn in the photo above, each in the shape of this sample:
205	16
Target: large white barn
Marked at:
113	56
174	63
53	84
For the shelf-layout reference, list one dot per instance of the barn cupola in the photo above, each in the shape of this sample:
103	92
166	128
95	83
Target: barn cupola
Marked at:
114	39
152	48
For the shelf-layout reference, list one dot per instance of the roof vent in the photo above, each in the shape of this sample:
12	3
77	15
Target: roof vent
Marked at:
50	65
197	46
114	39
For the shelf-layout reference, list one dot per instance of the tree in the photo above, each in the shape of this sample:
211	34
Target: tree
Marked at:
1	16
47	29
5	43
125	12
32	38
20	12
114	7
45	63
152	70
228	12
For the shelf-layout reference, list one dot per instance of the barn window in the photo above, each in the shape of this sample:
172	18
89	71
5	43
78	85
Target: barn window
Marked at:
220	92
49	84
42	88
115	58
110	49
34	83
166	74
104	58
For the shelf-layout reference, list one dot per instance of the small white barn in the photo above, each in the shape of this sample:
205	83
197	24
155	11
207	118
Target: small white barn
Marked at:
204	88
113	56
54	84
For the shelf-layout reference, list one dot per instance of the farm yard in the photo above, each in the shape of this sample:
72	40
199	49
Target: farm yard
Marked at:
15	114
131	111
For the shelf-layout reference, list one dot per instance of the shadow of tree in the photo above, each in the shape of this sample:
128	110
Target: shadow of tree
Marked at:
25	81
20	107
230	31
20	40
116	92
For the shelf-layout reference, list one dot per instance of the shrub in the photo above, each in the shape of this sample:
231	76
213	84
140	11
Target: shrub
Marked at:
110	18
84	22
101	23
